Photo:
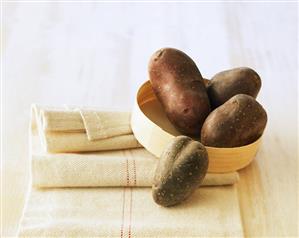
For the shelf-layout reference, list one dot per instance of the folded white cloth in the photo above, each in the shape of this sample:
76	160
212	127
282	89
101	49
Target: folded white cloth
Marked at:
97	124
102	169
127	211
130	212
78	130
93	169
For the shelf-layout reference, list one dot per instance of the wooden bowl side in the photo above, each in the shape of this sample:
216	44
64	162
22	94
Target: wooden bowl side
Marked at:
231	159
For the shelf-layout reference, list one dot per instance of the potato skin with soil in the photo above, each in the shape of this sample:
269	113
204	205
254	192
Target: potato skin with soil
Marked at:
229	83
180	171
238	122
179	86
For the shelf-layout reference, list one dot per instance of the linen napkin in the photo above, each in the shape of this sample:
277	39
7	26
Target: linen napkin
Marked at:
96	124
72	129
101	169
59	128
130	212
109	211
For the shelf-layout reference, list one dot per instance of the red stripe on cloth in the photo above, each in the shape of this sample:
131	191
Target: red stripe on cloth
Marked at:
128	174
135	176
131	197
123	214
130	218
127	179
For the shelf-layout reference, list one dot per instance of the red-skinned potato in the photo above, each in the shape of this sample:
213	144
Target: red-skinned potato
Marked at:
229	83
239	121
179	86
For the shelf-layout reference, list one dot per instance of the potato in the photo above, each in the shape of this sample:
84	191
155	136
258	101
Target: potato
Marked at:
179	86
229	83
180	170
239	121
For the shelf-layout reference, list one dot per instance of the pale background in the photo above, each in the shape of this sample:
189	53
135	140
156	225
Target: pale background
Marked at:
96	54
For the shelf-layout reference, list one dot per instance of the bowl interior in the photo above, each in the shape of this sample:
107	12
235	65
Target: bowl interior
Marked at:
153	110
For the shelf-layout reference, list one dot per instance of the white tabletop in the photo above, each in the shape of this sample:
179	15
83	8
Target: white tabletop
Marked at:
96	54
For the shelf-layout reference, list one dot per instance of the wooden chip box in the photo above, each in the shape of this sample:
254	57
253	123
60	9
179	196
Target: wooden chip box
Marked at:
154	131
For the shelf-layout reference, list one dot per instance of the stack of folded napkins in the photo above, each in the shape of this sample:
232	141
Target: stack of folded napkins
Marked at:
91	177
